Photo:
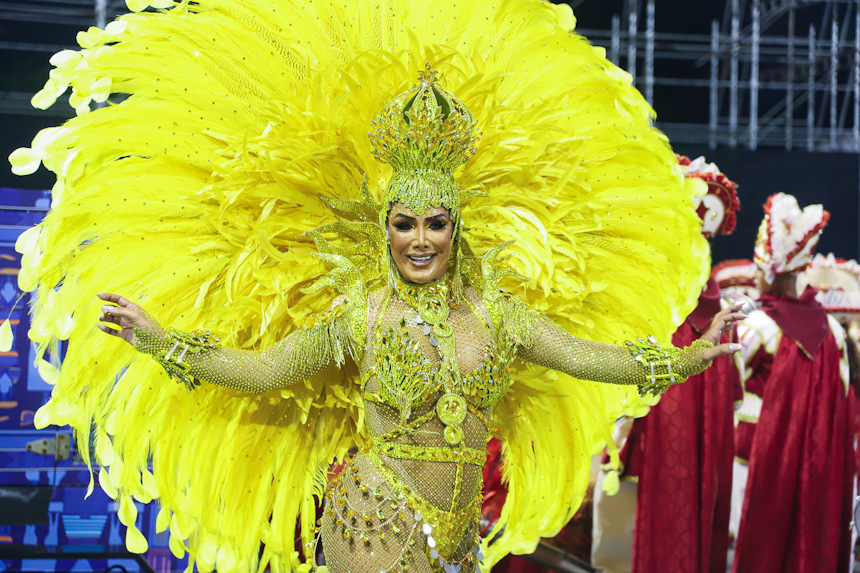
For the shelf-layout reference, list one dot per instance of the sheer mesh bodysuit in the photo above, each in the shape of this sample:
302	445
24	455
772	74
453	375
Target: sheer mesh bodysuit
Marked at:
411	498
445	486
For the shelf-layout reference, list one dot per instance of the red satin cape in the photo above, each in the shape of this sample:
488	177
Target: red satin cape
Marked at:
797	509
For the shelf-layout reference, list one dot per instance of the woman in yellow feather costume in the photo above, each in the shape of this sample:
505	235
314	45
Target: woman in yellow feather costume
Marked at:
232	150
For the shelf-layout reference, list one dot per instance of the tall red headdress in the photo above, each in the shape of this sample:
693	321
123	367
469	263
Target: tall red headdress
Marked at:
787	236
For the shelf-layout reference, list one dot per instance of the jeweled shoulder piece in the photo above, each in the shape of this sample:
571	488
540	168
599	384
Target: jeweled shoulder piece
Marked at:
424	134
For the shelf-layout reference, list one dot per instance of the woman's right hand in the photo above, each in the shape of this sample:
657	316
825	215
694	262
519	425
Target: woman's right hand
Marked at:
124	314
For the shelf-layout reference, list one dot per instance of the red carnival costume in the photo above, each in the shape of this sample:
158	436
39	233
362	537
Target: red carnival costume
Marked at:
798	500
838	284
681	452
736	279
685	473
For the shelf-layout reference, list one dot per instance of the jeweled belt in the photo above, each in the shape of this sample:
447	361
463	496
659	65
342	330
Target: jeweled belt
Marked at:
430	453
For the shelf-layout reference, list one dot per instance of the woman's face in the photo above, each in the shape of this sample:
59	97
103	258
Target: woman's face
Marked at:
420	244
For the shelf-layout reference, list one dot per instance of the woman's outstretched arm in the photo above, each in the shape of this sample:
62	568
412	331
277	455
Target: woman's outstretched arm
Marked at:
197	357
642	363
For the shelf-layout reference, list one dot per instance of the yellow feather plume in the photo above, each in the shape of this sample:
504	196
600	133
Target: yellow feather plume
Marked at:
190	194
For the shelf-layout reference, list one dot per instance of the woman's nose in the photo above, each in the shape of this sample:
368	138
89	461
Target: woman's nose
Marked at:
422	236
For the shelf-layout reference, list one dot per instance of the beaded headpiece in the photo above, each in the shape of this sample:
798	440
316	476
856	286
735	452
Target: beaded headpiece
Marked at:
788	235
719	206
424	134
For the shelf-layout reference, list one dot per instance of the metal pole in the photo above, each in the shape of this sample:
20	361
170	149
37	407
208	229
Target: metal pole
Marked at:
650	24
843	111
789	90
101	13
631	40
733	79
715	82
857	82
754	79
810	87
615	48
834	69
101	22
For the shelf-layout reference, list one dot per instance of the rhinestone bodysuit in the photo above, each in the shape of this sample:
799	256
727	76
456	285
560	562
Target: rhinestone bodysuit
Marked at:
431	368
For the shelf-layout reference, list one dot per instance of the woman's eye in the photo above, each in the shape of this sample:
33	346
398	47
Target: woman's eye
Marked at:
403	226
438	226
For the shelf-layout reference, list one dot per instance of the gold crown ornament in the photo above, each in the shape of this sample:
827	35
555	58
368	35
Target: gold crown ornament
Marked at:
424	134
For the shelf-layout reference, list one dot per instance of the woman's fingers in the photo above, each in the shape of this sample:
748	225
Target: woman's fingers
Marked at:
731	313
118	300
118	311
108	330
720	350
734	317
723	322
119	316
109	318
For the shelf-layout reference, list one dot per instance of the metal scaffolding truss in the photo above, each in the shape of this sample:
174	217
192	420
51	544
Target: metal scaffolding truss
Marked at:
79	13
51	15
778	72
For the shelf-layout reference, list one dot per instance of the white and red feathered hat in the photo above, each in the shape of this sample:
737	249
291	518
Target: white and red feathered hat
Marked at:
837	282
718	207
788	235
736	276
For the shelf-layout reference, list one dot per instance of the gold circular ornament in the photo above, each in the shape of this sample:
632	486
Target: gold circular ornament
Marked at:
443	330
454	435
451	409
433	308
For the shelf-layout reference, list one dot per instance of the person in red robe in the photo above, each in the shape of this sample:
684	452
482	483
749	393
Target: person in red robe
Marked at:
837	281
737	282
797	506
685	443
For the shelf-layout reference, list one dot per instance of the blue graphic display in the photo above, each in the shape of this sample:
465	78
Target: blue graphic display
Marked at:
32	459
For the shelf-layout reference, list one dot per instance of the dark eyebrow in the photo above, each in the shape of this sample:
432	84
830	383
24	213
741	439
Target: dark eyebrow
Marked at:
407	217
435	217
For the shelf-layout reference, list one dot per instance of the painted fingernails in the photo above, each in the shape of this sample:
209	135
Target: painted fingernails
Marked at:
734	346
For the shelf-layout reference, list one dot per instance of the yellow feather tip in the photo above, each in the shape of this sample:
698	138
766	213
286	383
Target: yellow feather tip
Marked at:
611	483
135	541
6	336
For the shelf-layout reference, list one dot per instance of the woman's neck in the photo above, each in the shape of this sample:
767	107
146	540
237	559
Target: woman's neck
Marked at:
411	292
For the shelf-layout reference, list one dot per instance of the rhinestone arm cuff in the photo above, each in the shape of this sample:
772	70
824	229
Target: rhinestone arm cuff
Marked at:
183	348
642	363
666	366
192	358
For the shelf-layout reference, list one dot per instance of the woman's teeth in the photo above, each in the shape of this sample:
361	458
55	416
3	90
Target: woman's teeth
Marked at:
420	260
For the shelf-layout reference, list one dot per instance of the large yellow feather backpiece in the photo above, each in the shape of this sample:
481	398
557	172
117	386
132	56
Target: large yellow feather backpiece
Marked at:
190	193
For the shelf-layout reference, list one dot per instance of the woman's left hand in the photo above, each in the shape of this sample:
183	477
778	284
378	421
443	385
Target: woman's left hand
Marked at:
722	323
